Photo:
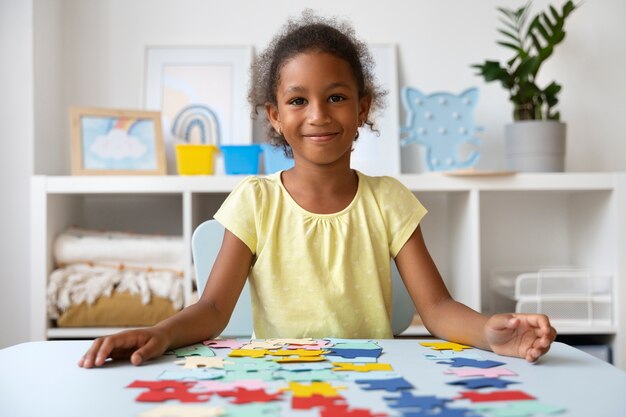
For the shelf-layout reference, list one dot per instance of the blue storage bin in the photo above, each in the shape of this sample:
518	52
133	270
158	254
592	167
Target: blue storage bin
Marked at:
275	159
241	159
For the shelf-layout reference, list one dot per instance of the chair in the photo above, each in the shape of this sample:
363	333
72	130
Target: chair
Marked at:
205	245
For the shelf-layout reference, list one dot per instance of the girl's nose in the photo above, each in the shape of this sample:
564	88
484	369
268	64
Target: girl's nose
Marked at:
318	113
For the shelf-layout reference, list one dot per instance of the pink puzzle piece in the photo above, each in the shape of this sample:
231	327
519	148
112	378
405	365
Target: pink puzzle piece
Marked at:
487	373
217	386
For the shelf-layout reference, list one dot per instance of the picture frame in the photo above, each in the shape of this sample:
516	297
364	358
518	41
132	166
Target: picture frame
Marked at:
379	153
201	92
116	142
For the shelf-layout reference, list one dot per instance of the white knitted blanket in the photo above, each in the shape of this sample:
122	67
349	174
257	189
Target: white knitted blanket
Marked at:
80	283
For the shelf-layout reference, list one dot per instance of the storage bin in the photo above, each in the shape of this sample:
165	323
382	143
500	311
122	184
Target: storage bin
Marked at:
195	159
274	159
569	296
241	159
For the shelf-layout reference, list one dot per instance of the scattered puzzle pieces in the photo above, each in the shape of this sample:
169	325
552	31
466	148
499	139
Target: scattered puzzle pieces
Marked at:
445	346
355	353
219	386
159	391
245	396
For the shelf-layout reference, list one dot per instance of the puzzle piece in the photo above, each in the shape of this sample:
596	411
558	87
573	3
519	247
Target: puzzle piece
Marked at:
443	412
316	400
477	383
308	376
487	373
351	360
182	410
300	359
262	344
223	344
250	364
521	409
219	386
303	341
297	352
159	391
391	385
194	362
475	397
355	353
462	362
245	396
319	344
305	366
248	353
424	402
346	366
345	411
445	346
307	390
265	375
192	374
198	349
252	410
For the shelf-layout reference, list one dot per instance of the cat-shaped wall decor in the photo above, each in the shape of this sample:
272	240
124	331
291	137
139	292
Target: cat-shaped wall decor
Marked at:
441	122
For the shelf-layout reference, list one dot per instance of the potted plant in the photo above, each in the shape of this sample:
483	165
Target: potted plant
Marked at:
536	139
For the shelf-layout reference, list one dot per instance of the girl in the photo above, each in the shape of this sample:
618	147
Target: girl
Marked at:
316	240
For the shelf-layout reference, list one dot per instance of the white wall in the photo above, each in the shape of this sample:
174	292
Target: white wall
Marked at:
16	166
91	52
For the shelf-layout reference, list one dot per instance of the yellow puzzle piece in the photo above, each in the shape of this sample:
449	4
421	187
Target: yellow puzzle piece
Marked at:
297	352
319	388
300	359
247	353
457	347
347	366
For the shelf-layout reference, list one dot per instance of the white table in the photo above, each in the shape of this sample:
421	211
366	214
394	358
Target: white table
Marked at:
42	379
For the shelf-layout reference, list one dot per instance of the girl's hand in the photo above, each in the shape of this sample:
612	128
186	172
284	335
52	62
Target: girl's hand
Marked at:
138	345
527	336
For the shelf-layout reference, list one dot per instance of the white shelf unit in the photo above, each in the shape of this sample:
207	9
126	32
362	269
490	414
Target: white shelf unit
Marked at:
475	224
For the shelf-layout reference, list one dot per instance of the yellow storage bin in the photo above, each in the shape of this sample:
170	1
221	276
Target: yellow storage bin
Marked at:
195	159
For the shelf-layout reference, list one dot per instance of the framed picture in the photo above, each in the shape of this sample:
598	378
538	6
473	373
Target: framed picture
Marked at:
122	142
379	154
201	93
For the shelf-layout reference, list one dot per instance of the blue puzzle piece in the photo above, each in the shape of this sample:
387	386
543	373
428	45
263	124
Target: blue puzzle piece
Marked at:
443	412
461	362
390	385
476	383
424	402
355	353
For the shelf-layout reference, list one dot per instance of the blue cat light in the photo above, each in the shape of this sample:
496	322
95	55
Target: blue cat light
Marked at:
441	122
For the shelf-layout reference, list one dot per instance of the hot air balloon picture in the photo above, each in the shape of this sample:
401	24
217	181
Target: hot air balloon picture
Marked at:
116	142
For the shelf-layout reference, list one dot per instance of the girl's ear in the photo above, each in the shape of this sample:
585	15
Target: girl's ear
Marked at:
365	103
273	116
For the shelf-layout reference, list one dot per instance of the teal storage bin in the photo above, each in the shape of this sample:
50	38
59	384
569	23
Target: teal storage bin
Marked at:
241	159
275	159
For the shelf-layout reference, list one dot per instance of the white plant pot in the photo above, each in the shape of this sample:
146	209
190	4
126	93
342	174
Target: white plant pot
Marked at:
535	146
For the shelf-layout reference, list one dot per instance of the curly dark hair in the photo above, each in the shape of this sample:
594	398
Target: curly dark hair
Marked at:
306	33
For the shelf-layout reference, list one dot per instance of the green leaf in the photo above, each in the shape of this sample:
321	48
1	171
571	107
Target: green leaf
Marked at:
510	35
516	48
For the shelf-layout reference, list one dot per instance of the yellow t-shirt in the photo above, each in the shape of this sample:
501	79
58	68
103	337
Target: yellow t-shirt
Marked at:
321	275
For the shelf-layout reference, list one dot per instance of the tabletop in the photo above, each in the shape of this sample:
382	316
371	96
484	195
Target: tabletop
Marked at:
40	376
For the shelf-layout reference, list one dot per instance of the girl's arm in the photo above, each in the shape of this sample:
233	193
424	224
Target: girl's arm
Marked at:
201	321
525	335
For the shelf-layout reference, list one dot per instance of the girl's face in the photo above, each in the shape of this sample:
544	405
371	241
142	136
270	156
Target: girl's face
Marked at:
318	108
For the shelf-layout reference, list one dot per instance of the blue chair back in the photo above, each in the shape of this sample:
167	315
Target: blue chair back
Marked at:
205	245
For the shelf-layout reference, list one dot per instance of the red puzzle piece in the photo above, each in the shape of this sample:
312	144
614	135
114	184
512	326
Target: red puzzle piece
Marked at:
245	396
344	411
159	391
502	395
316	400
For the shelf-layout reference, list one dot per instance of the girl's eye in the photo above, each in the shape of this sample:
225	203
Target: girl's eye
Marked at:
297	101
336	99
